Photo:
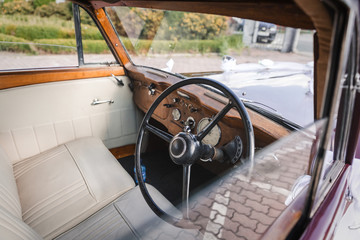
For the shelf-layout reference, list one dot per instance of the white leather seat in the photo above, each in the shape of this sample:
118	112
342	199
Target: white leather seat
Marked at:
58	189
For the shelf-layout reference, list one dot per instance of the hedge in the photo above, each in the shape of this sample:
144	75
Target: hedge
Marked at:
9	44
142	47
32	32
89	46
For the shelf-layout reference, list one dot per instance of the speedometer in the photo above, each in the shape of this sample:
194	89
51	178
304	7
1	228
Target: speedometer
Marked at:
213	137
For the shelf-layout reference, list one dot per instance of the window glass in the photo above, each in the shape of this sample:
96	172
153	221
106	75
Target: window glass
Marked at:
269	65
335	154
36	34
96	50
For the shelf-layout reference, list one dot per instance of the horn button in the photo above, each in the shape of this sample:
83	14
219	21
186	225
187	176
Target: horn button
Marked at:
184	149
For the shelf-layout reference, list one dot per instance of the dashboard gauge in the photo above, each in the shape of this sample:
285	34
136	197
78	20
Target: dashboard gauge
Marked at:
176	114
213	137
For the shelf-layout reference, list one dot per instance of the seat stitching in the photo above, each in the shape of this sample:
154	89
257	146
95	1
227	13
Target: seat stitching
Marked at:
82	174
57	150
21	169
36	220
81	213
20	230
52	198
28	164
109	220
84	231
10	198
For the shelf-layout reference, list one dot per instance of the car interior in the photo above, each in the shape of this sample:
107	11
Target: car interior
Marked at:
59	180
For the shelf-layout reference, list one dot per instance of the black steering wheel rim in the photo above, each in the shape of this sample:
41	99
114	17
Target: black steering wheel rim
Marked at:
236	102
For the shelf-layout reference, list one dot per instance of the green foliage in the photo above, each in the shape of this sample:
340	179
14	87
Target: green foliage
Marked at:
38	3
219	45
56	46
21	7
174	25
89	46
31	32
14	44
90	32
61	10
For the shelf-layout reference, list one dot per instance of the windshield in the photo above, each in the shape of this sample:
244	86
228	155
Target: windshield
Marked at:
268	65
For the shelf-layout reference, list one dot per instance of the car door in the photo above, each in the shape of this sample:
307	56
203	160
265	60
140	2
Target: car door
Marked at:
57	90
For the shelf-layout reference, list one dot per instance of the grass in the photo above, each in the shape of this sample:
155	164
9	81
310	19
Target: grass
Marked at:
35	27
9	46
56	32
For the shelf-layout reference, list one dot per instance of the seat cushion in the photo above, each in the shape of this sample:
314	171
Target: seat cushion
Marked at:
63	186
13	228
131	218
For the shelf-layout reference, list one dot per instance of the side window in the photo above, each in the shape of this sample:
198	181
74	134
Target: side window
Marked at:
36	34
42	34
335	154
95	48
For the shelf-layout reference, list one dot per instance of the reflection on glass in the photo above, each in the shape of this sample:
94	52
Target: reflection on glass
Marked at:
251	196
255	59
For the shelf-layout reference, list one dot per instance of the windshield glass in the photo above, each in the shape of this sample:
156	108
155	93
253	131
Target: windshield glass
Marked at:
267	64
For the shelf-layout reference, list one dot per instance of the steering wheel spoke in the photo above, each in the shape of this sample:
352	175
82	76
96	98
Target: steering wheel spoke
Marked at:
186	191
186	148
158	132
214	121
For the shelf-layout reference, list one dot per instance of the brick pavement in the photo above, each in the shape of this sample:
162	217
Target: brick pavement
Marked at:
244	203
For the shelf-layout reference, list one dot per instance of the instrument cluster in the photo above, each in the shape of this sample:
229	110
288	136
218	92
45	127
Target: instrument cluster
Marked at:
184	113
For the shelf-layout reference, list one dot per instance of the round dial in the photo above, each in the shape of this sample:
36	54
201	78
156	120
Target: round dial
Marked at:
213	137
176	114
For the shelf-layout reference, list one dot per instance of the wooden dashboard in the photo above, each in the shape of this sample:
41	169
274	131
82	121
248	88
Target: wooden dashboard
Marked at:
195	103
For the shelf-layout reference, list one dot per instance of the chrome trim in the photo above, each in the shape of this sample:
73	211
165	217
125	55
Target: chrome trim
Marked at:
97	101
183	151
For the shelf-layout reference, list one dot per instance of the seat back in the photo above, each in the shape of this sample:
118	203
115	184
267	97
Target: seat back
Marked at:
11	223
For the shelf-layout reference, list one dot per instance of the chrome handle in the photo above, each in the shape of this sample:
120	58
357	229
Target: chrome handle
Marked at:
97	101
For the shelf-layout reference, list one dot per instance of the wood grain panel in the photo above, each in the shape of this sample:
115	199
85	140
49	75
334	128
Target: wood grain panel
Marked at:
23	78
124	151
266	131
112	36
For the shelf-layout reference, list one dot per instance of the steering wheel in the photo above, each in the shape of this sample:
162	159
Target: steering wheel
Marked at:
186	148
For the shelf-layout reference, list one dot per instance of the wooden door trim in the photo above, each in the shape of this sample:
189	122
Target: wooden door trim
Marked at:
23	78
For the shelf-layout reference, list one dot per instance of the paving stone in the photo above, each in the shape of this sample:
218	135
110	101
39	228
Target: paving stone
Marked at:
203	210
230	213
274	213
261	228
226	234
287	179
231	225
266	193
210	236
280	184
213	228
261	217
193	215
220	208
251	195
219	219
280	191
257	206
245	220
273	203
246	186
248	233
237	198
239	208
261	185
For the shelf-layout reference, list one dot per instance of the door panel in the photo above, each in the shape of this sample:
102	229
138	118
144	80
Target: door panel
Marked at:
38	117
